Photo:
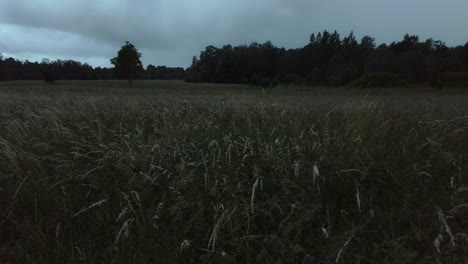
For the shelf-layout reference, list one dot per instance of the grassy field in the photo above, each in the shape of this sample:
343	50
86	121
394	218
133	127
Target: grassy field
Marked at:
168	172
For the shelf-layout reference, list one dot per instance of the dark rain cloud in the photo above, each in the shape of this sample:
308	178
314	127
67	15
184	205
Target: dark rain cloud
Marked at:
170	32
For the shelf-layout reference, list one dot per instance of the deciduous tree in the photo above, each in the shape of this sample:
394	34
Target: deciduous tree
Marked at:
127	64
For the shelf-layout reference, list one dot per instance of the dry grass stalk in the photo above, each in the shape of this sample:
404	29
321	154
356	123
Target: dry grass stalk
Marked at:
87	208
315	174
252	198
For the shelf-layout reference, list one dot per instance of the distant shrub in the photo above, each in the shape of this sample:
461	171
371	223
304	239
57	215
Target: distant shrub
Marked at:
437	83
274	82
49	76
342	74
333	81
256	80
453	78
192	77
313	78
378	79
245	80
265	83
349	72
269	83
293	79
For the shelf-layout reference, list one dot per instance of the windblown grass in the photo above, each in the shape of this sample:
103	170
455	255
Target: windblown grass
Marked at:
115	180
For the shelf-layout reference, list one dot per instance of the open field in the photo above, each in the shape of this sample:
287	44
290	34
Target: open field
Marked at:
179	91
169	172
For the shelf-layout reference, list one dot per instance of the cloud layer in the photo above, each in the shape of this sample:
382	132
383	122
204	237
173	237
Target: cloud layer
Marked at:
170	32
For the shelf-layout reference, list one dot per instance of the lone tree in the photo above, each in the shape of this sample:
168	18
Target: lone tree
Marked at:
127	64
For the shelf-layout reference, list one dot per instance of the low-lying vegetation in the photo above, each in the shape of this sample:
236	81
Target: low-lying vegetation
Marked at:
378	79
108	180
453	78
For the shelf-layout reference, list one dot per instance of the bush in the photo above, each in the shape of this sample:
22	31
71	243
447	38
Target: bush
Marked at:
333	81
256	80
378	79
343	74
437	83
313	78
49	77
293	79
349	72
453	78
192	77
265	83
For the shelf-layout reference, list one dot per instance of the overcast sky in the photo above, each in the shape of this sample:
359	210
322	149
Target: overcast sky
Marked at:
170	32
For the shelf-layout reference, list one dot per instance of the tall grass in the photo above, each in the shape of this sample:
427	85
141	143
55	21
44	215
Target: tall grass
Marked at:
102	180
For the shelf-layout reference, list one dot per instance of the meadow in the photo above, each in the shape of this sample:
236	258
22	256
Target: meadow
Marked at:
170	172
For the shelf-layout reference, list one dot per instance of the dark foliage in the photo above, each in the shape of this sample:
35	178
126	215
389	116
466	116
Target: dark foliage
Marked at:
329	59
12	69
127	63
453	78
378	79
49	76
164	73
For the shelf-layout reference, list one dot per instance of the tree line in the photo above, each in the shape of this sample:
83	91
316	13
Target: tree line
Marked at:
329	59
12	69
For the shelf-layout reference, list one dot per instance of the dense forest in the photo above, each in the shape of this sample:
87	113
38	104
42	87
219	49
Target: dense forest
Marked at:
12	69
329	59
